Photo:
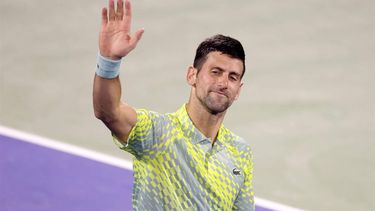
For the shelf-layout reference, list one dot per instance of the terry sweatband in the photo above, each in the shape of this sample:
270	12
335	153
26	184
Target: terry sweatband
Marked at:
107	68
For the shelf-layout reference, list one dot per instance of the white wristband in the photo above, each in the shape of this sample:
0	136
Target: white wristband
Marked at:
107	68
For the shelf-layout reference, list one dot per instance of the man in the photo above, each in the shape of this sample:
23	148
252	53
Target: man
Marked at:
185	160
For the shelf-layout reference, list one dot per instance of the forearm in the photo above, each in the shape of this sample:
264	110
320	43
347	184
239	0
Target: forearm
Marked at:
106	98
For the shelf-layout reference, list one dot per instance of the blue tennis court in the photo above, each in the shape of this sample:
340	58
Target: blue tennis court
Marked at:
38	174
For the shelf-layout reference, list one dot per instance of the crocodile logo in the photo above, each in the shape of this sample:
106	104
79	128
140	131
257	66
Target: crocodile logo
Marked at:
236	171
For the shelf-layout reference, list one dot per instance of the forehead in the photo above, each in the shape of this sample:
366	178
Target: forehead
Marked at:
223	61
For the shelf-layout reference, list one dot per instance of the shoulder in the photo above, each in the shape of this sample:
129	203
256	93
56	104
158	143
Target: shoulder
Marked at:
145	113
155	122
149	115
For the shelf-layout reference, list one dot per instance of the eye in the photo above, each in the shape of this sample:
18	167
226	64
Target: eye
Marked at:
215	71
234	77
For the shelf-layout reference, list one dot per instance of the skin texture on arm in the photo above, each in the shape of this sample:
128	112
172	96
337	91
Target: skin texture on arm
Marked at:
115	42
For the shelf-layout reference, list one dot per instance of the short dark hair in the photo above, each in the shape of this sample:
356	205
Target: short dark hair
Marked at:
220	43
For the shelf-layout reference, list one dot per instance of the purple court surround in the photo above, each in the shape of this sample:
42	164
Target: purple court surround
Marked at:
39	178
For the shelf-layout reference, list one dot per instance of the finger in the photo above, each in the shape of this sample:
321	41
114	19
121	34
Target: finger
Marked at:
104	17
111	8
128	15
120	10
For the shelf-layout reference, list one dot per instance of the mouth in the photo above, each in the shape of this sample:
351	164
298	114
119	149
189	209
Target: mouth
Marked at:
223	94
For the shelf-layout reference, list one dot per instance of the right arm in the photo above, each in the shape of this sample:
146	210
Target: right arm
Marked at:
115	42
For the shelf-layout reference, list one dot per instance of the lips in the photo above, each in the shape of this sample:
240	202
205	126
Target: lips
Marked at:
221	93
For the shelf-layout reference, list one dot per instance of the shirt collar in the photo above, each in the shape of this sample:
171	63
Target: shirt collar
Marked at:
191	131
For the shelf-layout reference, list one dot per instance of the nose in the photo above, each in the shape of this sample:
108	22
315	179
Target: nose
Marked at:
223	81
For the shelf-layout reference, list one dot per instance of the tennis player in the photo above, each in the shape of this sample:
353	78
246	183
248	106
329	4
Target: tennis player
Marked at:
186	160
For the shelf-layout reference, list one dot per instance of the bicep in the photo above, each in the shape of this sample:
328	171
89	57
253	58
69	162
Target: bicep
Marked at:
124	121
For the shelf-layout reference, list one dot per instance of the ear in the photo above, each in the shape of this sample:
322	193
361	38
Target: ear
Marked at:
238	92
191	75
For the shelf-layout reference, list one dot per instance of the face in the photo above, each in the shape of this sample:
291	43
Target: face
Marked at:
218	83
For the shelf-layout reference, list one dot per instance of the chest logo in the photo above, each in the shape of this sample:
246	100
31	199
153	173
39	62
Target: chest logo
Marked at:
236	171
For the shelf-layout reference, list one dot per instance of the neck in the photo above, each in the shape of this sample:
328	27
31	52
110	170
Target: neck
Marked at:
208	124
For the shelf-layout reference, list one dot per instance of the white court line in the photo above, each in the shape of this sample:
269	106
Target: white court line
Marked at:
274	205
64	147
107	159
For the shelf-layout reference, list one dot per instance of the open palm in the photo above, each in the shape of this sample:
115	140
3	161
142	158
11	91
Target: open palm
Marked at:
115	40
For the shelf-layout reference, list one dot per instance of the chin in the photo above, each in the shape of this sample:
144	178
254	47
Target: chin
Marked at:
214	104
216	108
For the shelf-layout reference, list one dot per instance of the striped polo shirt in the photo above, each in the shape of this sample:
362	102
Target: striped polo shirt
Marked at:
177	168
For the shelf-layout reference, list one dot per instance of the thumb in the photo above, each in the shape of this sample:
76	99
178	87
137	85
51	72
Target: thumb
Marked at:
137	36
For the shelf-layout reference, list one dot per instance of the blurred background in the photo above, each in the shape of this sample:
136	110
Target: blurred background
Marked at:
307	106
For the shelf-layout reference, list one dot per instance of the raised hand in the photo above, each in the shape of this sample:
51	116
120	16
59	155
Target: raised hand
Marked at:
115	40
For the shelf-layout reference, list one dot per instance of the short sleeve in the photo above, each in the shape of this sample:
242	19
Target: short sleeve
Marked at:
144	137
245	198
